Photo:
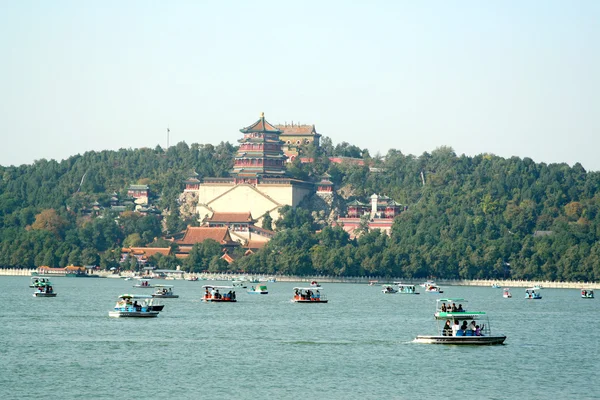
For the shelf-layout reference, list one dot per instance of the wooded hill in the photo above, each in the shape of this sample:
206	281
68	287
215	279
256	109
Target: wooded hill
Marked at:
467	217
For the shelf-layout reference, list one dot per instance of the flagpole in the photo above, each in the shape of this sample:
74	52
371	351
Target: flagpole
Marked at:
168	131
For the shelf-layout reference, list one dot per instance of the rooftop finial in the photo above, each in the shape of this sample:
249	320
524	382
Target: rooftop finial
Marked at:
262	114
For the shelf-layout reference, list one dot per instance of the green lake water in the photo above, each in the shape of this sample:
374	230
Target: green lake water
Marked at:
358	346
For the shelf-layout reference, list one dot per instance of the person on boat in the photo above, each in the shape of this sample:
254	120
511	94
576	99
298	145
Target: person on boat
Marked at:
472	328
233	295
444	308
478	330
318	296
454	309
455	328
447	331
460	309
464	328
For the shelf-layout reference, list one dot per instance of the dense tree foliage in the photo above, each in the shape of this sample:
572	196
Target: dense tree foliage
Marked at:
465	217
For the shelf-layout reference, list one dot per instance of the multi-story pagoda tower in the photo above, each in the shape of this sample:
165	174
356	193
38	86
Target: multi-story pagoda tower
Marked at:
260	154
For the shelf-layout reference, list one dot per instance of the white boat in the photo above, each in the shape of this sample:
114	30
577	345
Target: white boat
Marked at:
506	294
258	289
531	294
587	294
144	283
239	283
44	290
165	292
433	288
315	284
538	287
450	331
135	306
388	289
427	284
404	288
311	294
495	286
219	294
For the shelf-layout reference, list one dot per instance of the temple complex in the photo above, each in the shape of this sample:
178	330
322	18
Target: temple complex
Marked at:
257	184
379	214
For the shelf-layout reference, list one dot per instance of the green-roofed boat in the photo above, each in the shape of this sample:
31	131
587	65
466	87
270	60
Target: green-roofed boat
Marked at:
44	290
450	331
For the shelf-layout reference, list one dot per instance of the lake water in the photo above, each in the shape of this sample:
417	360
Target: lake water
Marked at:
358	346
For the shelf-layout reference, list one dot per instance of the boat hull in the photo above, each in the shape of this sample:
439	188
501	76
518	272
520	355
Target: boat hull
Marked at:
251	292
310	301
461	340
166	296
44	295
133	314
219	301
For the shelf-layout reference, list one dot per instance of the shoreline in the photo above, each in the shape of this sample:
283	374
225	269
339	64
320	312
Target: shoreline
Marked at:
333	279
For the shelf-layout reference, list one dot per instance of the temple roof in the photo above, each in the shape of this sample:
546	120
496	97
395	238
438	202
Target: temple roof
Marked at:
262	125
199	234
231	217
295	130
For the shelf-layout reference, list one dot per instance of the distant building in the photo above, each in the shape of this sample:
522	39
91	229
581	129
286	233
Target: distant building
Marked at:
199	234
294	137
379	214
138	191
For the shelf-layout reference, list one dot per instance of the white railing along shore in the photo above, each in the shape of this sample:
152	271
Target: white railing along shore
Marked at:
362	279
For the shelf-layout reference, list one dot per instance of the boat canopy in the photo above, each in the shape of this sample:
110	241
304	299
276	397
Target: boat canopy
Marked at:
451	300
135	296
309	288
165	286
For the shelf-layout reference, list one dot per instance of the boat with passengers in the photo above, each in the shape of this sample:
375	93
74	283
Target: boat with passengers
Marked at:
219	294
474	330
165	292
258	289
587	294
404	288
135	306
143	283
44	290
388	289
309	295
39	281
532	294
506	293
433	288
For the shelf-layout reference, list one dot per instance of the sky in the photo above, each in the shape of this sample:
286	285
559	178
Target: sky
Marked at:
512	78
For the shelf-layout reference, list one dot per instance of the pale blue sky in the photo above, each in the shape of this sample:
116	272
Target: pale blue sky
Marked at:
513	78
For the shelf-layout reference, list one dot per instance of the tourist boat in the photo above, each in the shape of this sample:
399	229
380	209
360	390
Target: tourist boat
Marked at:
271	279
371	283
37	281
428	283
165	292
538	287
219	294
144	283
315	284
506	294
44	290
587	294
239	283
480	336
135	306
495	286
192	278
388	289
532	294
309	295
404	288
259	289
433	288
